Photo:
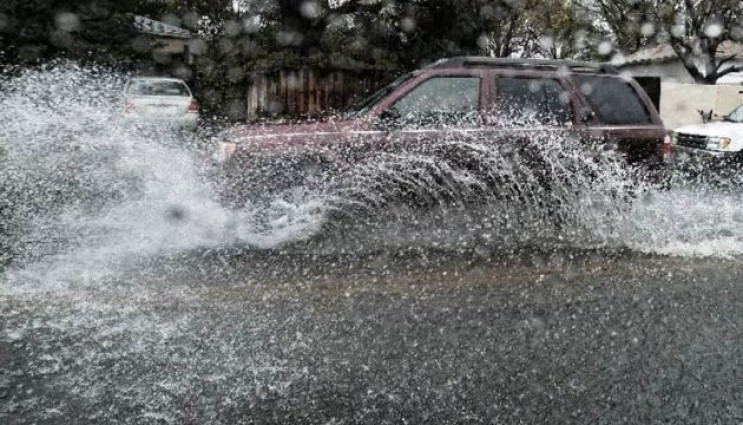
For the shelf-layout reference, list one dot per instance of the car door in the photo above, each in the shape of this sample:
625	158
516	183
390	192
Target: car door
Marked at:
532	103
623	116
531	118
433	112
533	108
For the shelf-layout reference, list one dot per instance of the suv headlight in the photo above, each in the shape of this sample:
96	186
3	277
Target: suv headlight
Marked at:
718	143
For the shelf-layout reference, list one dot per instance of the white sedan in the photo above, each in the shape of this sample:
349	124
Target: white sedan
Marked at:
158	100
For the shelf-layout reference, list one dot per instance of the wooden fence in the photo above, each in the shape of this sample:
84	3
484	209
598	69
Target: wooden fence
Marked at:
307	92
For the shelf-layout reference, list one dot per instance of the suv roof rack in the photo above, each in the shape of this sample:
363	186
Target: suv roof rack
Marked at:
576	66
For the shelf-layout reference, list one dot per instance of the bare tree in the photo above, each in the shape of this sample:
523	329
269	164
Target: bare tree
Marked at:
630	23
697	30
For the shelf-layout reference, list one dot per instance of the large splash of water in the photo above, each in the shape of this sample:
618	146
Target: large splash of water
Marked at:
84	186
81	185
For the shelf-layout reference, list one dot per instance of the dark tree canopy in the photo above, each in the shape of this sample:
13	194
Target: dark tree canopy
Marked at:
36	30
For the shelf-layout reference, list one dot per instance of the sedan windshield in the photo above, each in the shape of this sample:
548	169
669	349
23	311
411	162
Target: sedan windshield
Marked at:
736	116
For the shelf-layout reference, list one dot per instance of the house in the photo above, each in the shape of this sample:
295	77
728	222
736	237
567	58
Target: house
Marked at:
167	40
661	61
682	101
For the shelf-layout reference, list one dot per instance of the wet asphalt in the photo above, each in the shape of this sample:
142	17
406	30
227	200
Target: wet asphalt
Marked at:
414	337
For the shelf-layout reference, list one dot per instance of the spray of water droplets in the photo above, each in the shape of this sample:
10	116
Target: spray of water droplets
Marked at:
83	185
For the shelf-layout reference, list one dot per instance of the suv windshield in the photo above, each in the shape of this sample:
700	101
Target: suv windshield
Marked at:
365	105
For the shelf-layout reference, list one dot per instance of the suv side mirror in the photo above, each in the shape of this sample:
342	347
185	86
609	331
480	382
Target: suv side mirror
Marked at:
389	119
390	115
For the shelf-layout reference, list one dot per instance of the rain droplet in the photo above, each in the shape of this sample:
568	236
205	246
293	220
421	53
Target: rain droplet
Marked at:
289	38
547	42
483	42
67	21
252	24
736	33
232	28
605	47
172	19
647	29
310	9
176	213
713	30
408	24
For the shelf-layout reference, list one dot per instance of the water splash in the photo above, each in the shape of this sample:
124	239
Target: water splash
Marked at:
88	189
84	195
83	185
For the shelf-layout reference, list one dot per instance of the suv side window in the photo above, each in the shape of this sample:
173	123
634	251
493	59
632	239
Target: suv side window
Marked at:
441	101
523	100
613	100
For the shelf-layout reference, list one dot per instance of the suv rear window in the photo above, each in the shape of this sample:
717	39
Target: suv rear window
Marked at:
613	100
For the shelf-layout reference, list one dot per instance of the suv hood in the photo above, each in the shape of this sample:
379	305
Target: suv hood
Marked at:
714	129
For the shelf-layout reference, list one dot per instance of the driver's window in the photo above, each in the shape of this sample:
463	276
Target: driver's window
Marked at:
440	102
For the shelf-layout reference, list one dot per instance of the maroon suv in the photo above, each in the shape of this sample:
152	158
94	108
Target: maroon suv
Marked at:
496	99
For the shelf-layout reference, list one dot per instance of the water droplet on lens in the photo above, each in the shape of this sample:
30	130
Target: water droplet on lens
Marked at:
176	213
713	30
605	47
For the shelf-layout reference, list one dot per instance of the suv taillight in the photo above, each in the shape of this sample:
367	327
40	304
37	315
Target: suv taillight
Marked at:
666	149
193	106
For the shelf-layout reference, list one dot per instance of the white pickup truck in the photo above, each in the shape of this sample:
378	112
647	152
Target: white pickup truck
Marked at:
716	143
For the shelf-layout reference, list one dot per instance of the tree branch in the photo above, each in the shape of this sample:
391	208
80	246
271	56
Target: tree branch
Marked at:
729	70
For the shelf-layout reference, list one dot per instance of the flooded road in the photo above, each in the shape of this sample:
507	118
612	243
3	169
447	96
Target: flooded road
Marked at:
128	294
384	338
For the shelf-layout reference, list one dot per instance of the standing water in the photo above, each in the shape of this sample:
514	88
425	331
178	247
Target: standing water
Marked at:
87	198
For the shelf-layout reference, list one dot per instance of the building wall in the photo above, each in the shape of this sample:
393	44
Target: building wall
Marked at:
680	103
681	99
171	45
